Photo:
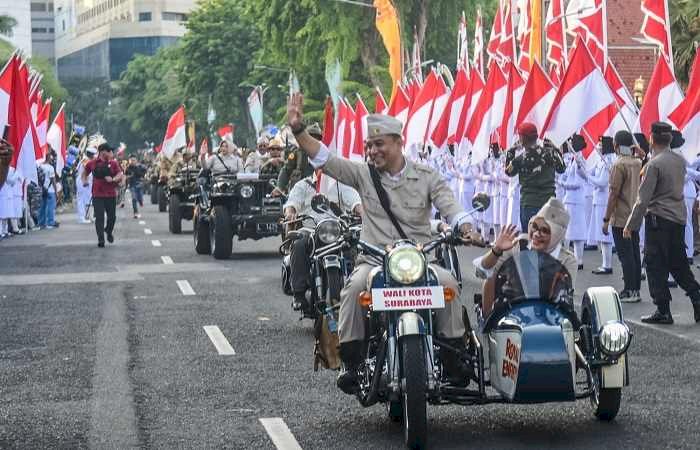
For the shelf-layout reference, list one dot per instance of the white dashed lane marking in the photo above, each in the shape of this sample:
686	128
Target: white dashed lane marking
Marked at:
147	231
156	243
279	434
185	287
219	340
141	222
167	260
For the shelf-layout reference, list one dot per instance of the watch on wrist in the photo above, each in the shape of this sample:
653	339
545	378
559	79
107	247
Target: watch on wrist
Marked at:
298	130
497	253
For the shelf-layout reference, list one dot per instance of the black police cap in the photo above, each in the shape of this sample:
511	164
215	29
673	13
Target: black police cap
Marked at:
661	127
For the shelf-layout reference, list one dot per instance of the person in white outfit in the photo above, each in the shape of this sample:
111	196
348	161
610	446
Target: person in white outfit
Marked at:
7	203
690	193
485	171
503	181
83	194
573	182
496	167
599	178
513	213
466	183
17	205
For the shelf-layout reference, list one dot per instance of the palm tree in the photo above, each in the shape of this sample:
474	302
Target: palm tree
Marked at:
7	23
685	32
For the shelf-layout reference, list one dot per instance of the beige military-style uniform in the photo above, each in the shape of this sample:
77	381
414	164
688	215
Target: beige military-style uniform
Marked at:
254	161
164	166
181	164
412	194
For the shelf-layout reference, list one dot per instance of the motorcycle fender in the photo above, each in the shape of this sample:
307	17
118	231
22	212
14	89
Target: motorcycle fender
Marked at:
410	324
331	261
605	306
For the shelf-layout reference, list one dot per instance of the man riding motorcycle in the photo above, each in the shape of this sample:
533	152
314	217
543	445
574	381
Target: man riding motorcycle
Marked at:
546	231
299	202
397	198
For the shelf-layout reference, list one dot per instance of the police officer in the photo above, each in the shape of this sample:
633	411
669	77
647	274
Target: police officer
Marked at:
660	203
296	164
412	190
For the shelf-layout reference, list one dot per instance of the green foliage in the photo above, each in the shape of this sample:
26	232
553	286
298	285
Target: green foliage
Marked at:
685	33
7	23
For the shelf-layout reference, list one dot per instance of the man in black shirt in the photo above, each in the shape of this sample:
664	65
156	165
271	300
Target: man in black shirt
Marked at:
134	178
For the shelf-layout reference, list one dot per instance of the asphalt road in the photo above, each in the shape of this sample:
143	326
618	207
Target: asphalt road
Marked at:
107	348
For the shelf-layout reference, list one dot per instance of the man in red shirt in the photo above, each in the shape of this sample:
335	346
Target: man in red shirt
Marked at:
106	176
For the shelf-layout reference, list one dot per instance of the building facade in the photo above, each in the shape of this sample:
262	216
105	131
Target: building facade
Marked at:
95	39
42	13
21	36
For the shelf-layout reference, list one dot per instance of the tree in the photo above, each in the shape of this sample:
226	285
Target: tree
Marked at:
7	23
685	33
216	56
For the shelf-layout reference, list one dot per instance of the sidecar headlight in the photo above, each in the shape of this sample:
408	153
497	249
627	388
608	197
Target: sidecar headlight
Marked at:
406	264
614	338
328	231
221	186
246	191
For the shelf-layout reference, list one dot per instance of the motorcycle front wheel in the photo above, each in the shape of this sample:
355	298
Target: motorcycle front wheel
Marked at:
415	417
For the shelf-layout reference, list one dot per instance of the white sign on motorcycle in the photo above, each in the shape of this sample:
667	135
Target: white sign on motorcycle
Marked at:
402	298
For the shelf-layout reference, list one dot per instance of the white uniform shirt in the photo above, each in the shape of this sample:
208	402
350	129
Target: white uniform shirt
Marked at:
301	194
49	174
217	167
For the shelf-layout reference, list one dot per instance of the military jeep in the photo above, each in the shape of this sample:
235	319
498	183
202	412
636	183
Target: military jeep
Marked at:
234	204
181	192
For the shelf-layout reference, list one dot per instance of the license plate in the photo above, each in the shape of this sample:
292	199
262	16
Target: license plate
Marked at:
267	228
406	298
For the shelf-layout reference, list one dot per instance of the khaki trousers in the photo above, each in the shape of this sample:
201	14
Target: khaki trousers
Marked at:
351	320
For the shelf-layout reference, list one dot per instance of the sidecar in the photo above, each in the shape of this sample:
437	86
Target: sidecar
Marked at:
538	348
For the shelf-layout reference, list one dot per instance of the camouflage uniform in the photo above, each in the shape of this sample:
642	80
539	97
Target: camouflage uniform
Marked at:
181	164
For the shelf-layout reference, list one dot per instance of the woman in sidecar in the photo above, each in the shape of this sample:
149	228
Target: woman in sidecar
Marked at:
545	234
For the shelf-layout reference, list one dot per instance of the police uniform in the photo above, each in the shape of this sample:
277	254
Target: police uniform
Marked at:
412	194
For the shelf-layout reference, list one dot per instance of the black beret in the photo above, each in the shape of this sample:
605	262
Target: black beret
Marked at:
104	147
624	137
661	127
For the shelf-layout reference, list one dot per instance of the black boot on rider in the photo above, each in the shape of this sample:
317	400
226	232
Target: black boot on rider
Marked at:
351	355
299	303
457	371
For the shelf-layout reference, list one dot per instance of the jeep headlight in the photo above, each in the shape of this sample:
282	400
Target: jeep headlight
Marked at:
328	231
614	338
246	191
406	264
221	186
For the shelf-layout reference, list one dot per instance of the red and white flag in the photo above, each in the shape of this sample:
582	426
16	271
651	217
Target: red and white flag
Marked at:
555	35
686	117
226	132
462	43
476	87
514	95
5	89
478	57
618	86
583	93
175	134
663	95
420	114
488	113
380	105
506	48
400	105
22	134
446	128
358	148
589	20
56	138
496	34
537	98
524	30
656	26
345	129
42	126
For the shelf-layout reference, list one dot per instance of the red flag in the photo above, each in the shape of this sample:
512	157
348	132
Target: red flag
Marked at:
496	34
686	116
514	94
42	126
6	88
476	87
656	26
506	48
22	135
400	105
555	36
589	20
537	98
380	106
478	60
328	128
56	138
583	93
175	135
662	96
524	30
226	132
361	113
419	119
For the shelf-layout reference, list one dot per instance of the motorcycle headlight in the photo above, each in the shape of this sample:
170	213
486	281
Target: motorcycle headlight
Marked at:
246	191
328	231
614	338
406	265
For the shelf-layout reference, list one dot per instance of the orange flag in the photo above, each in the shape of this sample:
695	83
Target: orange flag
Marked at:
387	22
536	32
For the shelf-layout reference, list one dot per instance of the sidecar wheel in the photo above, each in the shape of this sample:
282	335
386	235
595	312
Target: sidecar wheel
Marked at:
415	417
394	411
162	199
154	194
202	240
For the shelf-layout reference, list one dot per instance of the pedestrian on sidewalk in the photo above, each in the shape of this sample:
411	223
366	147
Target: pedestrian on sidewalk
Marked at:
624	185
107	175
661	204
